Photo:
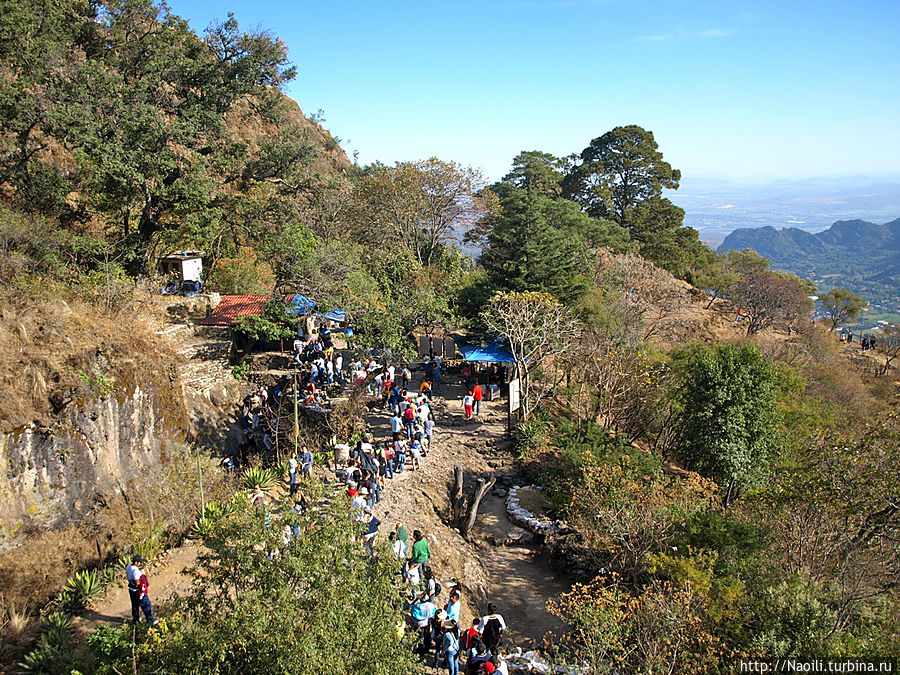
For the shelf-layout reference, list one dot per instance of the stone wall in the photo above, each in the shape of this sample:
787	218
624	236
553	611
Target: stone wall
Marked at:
49	478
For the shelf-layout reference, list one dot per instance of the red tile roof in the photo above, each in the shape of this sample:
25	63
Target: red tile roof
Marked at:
232	307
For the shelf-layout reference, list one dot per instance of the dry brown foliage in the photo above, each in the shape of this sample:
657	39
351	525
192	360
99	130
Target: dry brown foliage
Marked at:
56	352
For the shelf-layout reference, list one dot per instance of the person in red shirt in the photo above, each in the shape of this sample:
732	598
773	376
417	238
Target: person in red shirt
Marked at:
478	393
466	641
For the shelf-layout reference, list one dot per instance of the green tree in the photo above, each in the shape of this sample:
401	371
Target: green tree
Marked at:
621	178
318	604
620	171
537	171
423	205
536	244
842	304
716	279
728	418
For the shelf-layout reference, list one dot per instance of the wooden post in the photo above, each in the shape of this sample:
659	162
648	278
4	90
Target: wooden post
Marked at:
296	415
200	480
457	501
480	492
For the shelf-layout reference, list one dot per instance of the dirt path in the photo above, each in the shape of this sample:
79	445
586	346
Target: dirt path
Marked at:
506	575
167	577
519	584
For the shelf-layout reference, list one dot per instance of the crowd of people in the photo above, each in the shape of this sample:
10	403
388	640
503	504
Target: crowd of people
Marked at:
368	468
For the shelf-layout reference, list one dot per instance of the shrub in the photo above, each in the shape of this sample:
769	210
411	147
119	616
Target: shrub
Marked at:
530	436
80	589
265	479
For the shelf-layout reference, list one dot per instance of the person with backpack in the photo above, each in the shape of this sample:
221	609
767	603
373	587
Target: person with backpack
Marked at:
450	647
478	655
467	639
491	628
432	585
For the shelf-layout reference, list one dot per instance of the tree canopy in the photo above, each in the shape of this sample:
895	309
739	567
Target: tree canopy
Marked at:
842	304
729	419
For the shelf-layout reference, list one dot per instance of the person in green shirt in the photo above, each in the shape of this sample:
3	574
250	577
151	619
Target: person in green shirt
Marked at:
421	551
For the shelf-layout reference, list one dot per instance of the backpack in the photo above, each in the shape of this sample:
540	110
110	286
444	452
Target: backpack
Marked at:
437	587
491	633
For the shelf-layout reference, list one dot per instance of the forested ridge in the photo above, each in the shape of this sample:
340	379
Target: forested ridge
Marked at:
854	253
733	493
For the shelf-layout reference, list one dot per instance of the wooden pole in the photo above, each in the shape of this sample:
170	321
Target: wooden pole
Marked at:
200	478
480	492
296	415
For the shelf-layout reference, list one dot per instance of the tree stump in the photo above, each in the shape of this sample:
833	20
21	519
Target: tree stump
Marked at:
480	491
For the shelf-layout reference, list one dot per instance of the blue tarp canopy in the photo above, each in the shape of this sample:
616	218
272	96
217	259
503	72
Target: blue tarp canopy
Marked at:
301	305
334	314
493	352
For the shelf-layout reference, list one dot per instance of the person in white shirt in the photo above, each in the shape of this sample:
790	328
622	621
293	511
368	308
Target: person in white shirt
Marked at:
397	546
491	628
396	424
358	506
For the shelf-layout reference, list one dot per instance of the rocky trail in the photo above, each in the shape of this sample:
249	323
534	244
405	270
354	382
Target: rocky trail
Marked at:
489	569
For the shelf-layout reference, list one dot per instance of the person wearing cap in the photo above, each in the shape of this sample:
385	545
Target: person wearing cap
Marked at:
137	591
468	402
437	635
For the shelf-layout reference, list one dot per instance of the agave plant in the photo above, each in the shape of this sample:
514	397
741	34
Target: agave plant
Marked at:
52	652
80	589
207	519
264	479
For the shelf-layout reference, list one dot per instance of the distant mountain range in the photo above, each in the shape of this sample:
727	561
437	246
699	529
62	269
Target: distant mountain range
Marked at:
854	254
716	207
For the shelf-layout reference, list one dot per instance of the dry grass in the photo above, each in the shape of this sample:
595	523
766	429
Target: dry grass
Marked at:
18	628
54	353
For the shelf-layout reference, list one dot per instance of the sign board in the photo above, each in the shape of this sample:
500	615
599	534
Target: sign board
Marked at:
443	347
514	395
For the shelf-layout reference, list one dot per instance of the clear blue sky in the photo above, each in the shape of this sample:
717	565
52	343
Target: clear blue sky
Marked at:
741	90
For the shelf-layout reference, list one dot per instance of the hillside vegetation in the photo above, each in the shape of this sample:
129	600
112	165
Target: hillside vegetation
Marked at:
854	254
727	475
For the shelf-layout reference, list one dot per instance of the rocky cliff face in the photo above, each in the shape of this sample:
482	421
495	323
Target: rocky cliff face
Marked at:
50	478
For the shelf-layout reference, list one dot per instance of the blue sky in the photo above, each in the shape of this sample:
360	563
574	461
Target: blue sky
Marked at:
736	90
